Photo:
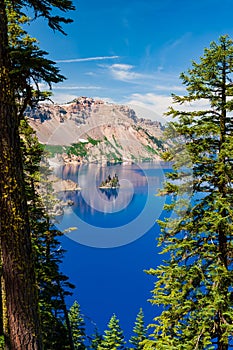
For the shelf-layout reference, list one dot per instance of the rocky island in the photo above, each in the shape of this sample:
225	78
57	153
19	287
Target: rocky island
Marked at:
61	185
110	183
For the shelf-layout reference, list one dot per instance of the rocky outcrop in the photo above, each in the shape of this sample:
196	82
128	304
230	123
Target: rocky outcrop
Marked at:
58	209
95	131
60	185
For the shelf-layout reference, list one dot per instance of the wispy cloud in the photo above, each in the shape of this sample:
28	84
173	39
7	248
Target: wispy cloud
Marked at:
171	47
88	87
155	80
88	59
91	74
170	88
173	44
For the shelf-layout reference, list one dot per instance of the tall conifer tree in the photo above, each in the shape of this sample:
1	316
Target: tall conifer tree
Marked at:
18	273
139	331
96	340
48	254
195	286
77	326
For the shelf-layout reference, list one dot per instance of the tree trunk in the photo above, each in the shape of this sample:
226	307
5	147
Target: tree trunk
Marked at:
222	187
15	241
67	320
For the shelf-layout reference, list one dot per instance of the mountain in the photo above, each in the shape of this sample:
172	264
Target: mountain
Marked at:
89	130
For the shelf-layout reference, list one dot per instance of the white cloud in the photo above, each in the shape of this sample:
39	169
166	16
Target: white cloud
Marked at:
122	66
105	99
199	105
88	59
63	98
124	72
42	86
154	105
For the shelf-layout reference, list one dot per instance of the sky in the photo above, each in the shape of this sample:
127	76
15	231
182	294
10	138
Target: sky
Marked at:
132	51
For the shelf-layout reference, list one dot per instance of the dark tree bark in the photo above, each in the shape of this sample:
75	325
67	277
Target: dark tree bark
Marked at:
15	242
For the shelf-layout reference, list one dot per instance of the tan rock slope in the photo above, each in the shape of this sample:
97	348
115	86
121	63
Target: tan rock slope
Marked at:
95	131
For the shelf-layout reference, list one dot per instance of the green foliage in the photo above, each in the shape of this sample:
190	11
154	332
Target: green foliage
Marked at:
77	326
78	149
28	62
195	283
2	342
53	285
114	154
22	65
156	141
54	149
111	182
139	331
45	9
116	143
96	340
112	157
151	149
93	141
113	338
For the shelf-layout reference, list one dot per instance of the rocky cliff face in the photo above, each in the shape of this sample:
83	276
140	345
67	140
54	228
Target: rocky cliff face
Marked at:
94	131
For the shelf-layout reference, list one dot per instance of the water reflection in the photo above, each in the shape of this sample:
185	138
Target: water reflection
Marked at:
91	199
133	181
136	174
112	217
110	193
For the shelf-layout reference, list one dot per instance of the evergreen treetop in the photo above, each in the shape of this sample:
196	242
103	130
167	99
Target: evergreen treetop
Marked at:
139	331
77	326
113	339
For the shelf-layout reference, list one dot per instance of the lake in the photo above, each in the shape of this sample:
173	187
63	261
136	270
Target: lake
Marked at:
115	240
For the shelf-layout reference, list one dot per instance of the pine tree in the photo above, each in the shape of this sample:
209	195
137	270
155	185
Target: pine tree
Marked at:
53	285
77	326
113	338
21	301
16	253
139	331
96	340
195	284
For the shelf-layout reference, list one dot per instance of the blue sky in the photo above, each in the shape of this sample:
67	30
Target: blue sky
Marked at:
132	52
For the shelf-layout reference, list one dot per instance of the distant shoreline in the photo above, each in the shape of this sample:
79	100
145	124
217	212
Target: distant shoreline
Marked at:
108	187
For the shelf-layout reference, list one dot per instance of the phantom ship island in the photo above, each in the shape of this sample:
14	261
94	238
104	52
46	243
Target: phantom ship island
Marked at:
110	182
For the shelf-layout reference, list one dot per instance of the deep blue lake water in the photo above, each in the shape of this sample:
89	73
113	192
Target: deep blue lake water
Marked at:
115	241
